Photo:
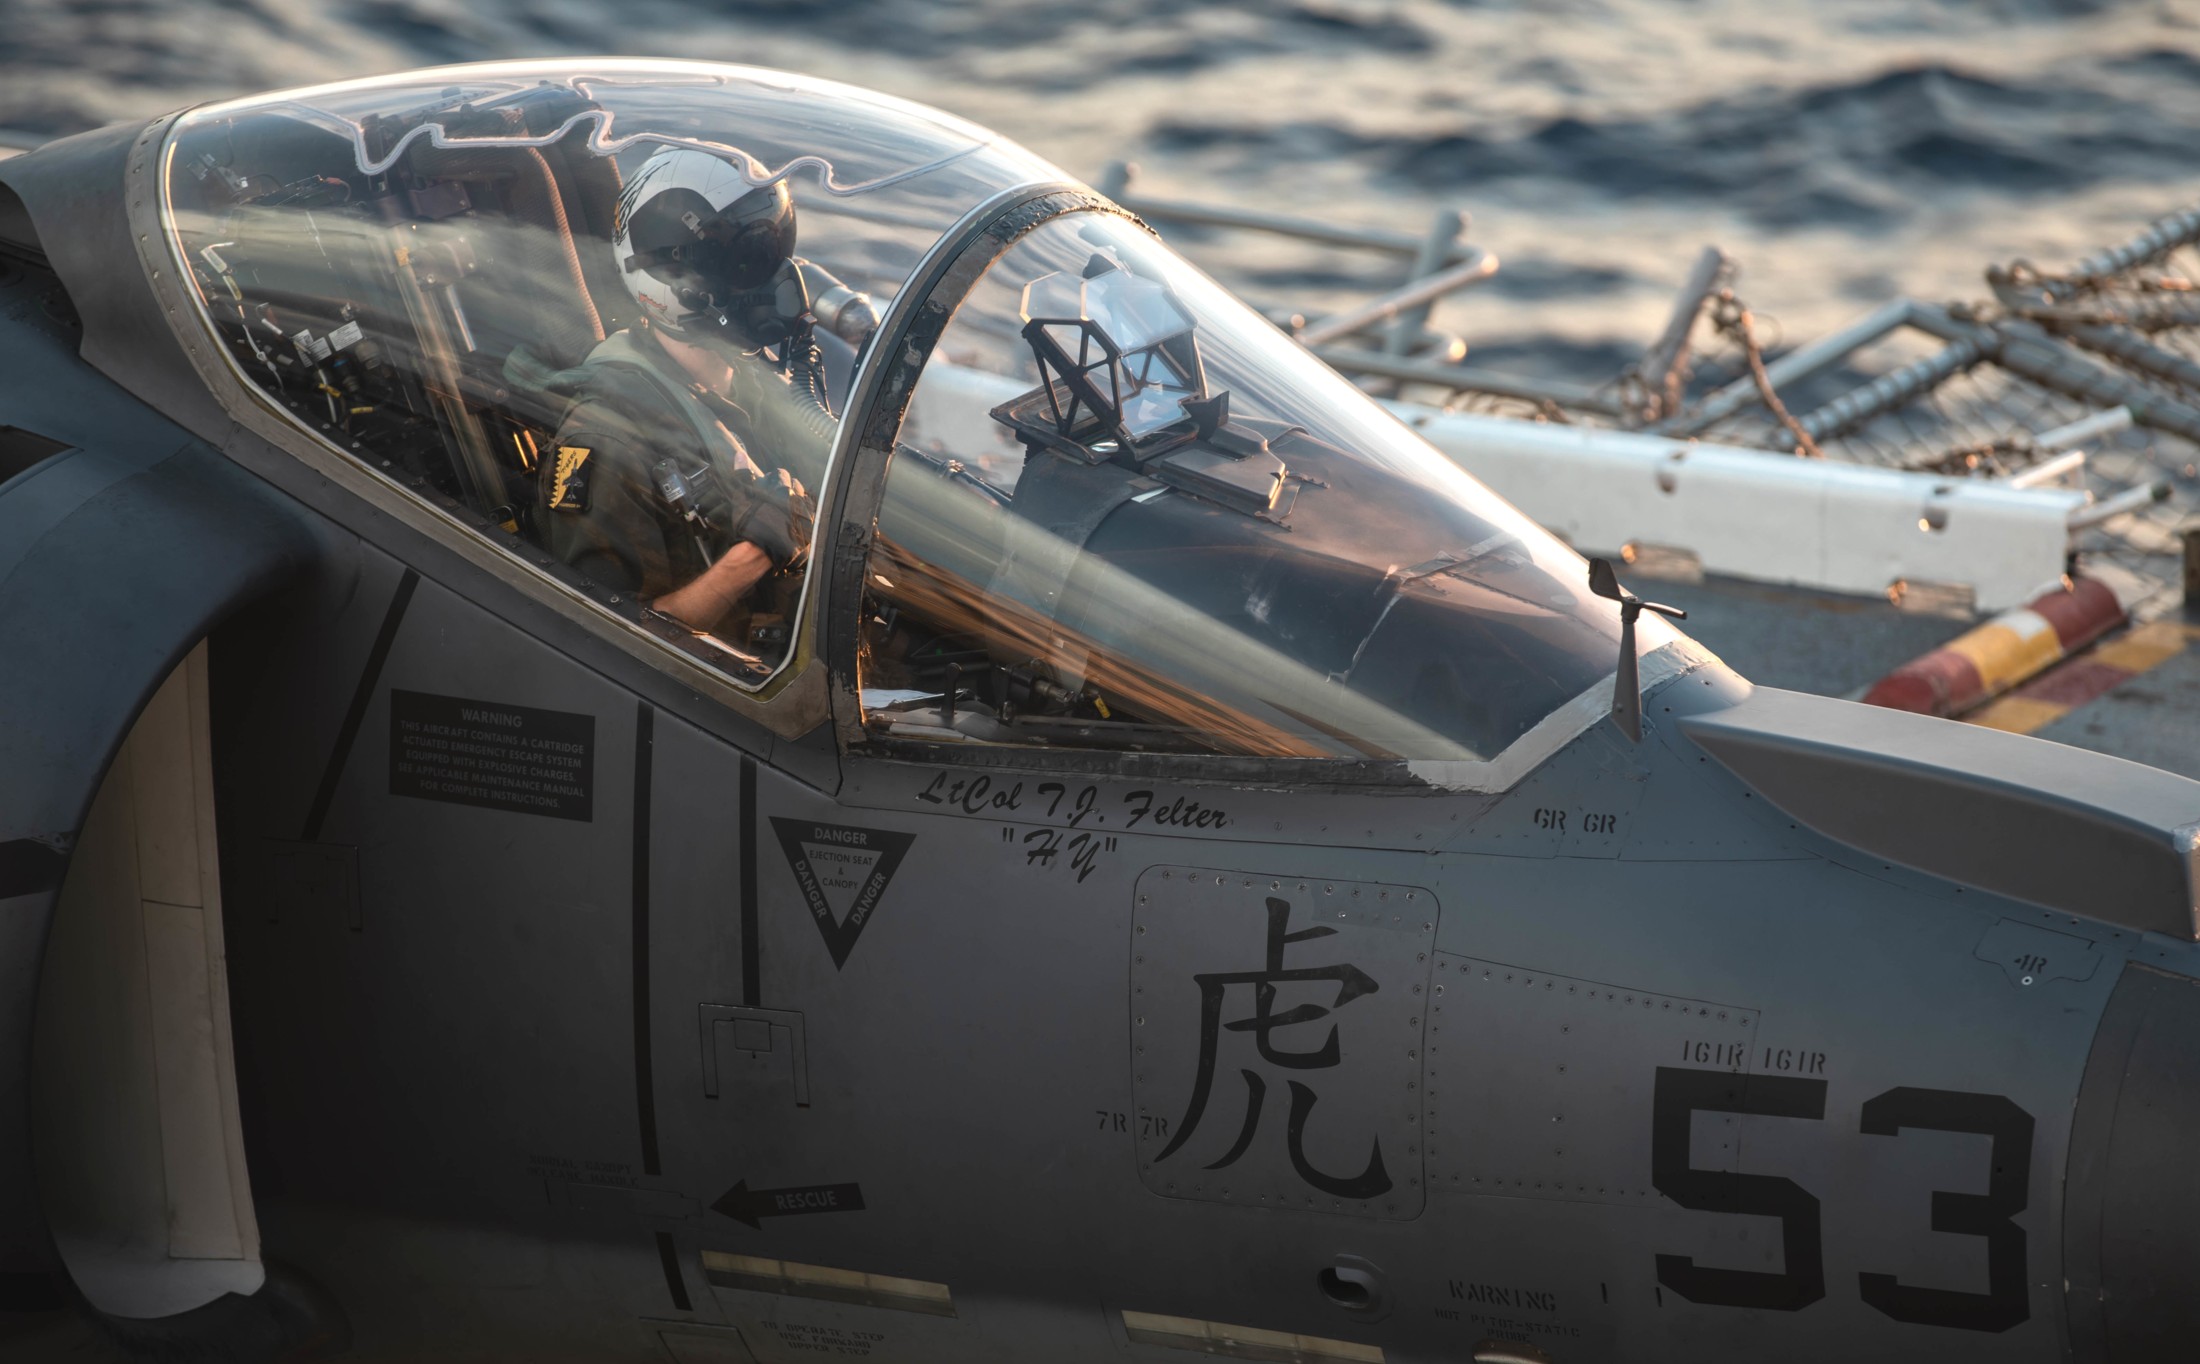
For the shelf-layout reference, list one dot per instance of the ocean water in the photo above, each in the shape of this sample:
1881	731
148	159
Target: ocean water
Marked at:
1844	151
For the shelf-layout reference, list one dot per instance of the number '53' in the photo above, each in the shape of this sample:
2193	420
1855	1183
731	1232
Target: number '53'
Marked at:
1682	1093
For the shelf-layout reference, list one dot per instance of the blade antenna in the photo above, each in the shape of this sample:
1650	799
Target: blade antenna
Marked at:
1627	683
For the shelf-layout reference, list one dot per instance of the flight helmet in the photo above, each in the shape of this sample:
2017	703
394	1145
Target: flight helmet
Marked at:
706	252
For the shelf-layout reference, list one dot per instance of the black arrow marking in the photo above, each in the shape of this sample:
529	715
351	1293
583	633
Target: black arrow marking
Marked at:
744	1204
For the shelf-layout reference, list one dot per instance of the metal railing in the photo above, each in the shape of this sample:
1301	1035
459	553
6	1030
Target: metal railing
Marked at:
1443	264
2100	357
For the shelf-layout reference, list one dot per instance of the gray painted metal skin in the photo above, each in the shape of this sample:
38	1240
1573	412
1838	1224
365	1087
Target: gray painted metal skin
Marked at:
117	555
1669	1051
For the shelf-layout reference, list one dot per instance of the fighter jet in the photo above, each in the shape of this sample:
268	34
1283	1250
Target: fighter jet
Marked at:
662	711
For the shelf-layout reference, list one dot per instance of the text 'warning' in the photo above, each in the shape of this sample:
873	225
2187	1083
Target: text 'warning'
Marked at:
488	753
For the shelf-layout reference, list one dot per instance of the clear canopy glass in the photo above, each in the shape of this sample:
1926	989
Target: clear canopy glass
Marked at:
429	272
1124	511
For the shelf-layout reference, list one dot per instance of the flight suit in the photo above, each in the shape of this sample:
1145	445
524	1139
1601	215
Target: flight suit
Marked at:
605	508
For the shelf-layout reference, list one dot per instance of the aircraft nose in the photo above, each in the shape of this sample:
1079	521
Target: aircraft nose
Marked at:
2131	1211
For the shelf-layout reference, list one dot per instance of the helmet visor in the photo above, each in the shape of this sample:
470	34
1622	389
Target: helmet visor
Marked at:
713	255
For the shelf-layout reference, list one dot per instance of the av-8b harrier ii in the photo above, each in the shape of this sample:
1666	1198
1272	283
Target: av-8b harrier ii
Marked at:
658	711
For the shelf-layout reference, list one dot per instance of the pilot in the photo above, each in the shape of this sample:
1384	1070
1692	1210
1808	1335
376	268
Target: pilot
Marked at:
680	469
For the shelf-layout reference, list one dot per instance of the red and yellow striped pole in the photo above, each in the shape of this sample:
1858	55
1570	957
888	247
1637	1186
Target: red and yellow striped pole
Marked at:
1981	664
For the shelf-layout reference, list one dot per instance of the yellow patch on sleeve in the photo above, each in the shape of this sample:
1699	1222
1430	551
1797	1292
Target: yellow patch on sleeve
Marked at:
564	496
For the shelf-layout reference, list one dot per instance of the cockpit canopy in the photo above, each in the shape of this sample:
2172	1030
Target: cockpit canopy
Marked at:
1124	511
434	272
1107	506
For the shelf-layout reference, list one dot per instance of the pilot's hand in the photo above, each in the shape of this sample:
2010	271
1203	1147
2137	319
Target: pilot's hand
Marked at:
779	518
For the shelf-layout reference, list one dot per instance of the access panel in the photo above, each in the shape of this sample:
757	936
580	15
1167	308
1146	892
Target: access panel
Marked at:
1277	1028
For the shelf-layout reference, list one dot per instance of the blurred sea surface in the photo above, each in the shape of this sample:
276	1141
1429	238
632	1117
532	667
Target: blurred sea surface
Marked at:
1845	151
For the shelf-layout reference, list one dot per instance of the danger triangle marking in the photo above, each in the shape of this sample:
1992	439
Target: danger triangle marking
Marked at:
839	864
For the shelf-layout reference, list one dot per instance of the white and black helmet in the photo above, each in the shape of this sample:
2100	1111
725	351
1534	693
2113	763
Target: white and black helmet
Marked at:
697	242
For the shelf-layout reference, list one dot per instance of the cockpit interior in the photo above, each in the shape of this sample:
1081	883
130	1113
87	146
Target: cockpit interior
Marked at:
1118	509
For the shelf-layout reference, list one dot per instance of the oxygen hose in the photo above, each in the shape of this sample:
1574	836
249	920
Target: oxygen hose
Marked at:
790	405
806	374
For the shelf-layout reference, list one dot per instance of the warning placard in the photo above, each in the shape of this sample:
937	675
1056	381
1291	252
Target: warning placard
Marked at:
489	753
842	871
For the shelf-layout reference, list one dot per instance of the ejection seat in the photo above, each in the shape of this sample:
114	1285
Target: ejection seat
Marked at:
529	300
